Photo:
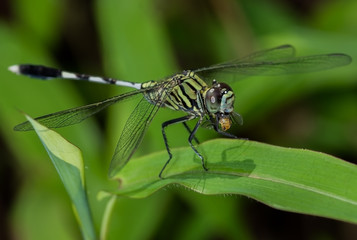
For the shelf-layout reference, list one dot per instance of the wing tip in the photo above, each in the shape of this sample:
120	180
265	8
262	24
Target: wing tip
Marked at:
340	59
285	46
347	58
22	127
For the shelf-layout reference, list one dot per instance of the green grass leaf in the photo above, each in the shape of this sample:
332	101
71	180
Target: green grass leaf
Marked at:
68	162
294	180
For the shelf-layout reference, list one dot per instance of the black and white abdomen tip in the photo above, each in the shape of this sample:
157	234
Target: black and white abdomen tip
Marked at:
35	71
14	69
43	72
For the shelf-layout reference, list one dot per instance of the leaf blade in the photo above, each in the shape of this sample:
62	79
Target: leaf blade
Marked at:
68	162
295	180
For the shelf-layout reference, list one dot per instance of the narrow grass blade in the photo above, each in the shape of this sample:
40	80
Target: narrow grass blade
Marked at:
68	162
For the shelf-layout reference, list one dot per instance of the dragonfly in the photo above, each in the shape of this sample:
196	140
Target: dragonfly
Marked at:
203	94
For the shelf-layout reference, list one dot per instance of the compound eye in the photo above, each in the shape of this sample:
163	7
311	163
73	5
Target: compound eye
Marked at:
213	100
225	87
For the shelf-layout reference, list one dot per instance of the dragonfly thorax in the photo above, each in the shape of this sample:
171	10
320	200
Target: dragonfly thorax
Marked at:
219	101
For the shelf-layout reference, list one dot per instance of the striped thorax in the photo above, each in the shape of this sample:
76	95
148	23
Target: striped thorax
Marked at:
184	92
189	93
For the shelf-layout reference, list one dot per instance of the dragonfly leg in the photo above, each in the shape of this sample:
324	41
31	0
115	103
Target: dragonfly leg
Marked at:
225	133
164	125
192	136
189	130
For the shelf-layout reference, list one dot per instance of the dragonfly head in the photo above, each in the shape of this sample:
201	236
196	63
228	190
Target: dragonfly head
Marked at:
219	101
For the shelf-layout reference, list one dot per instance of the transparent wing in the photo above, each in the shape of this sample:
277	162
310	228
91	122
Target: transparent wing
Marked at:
237	118
75	115
276	61
277	53
134	131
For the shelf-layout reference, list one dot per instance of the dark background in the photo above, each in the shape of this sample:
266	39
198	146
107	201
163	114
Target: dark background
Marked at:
149	39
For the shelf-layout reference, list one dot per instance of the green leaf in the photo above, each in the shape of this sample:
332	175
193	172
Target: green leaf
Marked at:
294	180
68	162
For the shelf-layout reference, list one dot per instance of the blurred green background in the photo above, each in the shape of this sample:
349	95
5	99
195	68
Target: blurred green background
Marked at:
141	40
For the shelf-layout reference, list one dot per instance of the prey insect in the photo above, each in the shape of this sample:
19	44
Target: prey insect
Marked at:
202	94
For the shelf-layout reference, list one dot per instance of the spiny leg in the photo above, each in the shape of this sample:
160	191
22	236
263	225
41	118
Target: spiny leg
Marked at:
189	131
225	133
164	125
192	136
